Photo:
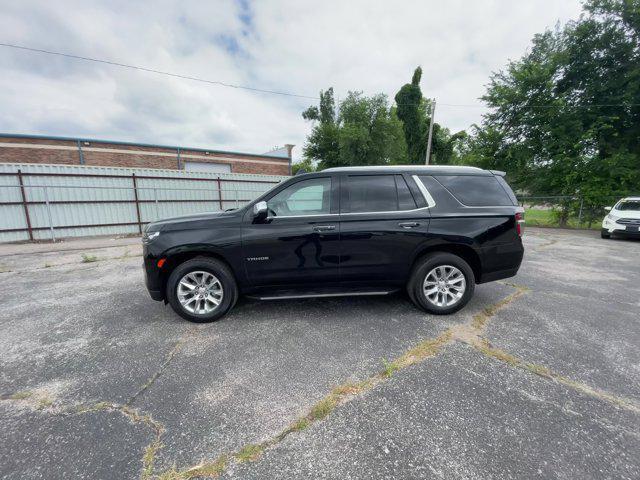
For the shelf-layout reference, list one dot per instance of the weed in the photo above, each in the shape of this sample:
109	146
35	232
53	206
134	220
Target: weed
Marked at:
86	258
44	402
148	458
425	349
389	368
348	389
323	408
172	474
299	425
249	453
212	469
21	395
539	370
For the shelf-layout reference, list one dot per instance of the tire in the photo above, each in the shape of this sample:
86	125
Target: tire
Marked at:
604	233
216	281
459	290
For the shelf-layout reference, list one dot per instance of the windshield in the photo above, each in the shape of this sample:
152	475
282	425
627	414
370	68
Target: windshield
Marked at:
629	205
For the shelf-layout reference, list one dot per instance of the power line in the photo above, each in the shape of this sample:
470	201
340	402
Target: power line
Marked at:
151	70
590	105
476	105
275	92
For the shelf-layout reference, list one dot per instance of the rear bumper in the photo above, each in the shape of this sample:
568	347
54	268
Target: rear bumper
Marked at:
498	275
501	261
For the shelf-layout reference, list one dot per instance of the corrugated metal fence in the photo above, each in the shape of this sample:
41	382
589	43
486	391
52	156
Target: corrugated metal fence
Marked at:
45	202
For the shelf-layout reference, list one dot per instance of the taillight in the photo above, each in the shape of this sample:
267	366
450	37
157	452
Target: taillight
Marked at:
520	223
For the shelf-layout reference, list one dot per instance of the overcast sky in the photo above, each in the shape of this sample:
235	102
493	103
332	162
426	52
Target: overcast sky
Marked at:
292	46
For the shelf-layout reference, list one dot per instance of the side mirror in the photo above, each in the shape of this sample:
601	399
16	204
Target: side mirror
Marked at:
260	210
608	209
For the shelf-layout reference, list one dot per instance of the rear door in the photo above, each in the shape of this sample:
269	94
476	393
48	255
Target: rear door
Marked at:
298	242
382	224
480	208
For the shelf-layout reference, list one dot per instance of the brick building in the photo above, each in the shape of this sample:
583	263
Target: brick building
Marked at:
82	151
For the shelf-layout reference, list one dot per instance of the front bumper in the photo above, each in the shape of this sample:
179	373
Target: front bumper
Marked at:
614	228
621	232
152	277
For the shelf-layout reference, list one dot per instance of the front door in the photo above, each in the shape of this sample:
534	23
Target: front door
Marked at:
298	242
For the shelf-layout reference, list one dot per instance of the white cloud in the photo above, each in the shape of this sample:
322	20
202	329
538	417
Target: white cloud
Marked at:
293	46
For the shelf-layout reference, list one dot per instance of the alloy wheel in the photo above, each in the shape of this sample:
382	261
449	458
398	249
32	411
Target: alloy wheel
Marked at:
200	292
444	286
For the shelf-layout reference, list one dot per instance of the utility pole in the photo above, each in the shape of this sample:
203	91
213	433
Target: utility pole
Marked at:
433	111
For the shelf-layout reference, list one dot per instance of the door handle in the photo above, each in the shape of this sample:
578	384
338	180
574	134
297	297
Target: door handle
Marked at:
408	224
323	228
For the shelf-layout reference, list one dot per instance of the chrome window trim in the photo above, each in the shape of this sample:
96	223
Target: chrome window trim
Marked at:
425	193
350	213
386	212
304	216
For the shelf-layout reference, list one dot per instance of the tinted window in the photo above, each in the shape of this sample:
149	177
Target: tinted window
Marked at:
405	199
372	193
475	191
308	197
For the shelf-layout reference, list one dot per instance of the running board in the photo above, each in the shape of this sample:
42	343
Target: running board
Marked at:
290	295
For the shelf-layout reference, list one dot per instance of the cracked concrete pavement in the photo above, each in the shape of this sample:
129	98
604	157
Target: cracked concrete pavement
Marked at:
536	377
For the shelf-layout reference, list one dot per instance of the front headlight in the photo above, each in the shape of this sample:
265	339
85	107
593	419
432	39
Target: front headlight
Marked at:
149	236
613	218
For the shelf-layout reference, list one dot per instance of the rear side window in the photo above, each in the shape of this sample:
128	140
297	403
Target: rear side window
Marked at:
405	199
372	193
476	191
503	183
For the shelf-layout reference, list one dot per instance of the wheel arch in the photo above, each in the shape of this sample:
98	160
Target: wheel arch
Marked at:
466	252
174	259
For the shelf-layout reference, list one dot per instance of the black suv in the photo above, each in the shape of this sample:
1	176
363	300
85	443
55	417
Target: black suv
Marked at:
434	230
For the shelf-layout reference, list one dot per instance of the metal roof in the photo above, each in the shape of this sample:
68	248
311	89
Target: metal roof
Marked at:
133	144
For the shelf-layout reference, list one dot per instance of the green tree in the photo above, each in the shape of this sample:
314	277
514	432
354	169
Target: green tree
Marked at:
305	165
411	110
366	131
565	118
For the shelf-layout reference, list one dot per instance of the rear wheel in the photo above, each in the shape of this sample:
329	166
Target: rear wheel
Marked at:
202	289
441	283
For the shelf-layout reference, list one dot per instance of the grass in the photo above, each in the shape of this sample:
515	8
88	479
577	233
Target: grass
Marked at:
249	453
388	368
206	470
44	402
86	258
21	395
536	217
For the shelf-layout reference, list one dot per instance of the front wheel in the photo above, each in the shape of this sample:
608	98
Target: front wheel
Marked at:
202	289
441	283
604	233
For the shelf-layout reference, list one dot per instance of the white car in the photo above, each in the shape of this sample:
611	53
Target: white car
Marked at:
623	218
